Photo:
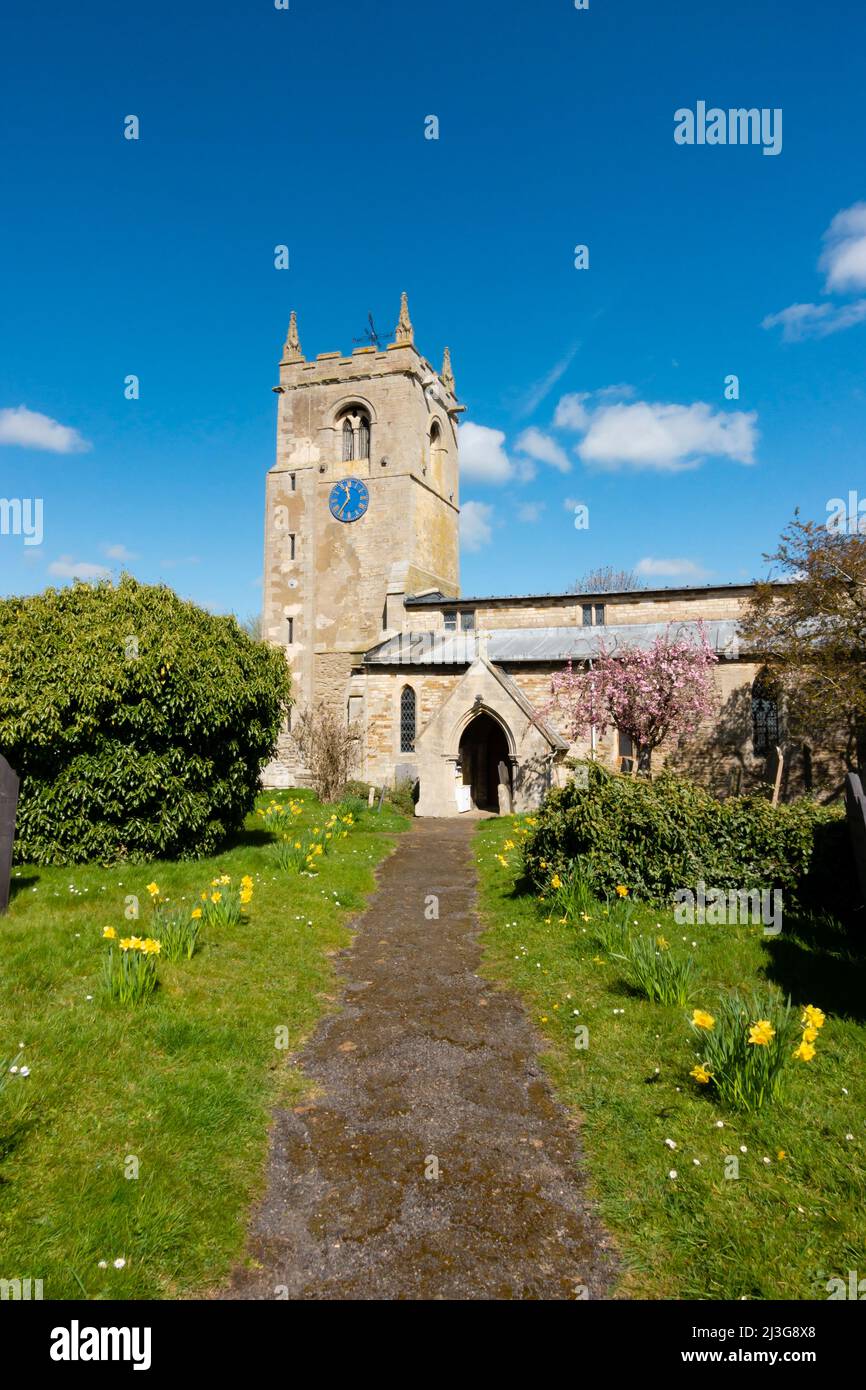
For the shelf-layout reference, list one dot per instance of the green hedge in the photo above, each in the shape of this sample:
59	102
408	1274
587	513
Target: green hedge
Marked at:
657	836
137	722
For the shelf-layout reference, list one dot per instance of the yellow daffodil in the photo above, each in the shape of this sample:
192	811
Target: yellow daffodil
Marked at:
204	897
621	890
127	943
509	844
226	878
556	881
805	1052
810	1034
153	890
701	1019
761	1034
662	944
246	881
216	897
150	947
701	1074
781	1154
196	913
109	933
813	1016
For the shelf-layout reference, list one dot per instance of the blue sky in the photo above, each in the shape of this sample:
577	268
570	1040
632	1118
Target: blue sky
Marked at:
604	386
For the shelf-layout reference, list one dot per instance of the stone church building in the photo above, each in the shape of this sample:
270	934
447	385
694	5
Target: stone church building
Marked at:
362	591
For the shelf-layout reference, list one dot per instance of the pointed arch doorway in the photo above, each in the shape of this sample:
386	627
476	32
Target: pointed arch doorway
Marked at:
483	746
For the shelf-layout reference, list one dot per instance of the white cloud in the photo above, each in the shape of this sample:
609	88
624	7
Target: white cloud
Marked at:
119	552
482	454
801	321
650	565
844	256
67	568
667	437
30	430
475	529
541	447
843	262
571	413
530	511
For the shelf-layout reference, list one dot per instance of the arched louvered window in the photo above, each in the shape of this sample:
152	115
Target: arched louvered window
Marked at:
348	441
407	720
765	714
364	438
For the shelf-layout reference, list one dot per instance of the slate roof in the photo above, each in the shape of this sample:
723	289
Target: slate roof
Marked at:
537	644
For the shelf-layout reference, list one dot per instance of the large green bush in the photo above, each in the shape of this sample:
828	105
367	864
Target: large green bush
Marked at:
137	722
657	836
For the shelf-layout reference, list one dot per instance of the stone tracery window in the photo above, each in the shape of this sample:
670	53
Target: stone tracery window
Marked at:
357	433
408	715
765	714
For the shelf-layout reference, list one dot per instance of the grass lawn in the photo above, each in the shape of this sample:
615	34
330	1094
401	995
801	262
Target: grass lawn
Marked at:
784	1227
184	1082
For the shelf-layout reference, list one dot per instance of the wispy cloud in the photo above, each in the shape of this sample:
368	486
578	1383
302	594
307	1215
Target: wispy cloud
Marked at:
801	321
119	553
29	430
541	389
67	568
650	565
530	511
843	263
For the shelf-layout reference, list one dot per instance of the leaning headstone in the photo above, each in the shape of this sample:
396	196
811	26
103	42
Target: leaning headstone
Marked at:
855	807
371	796
504	800
8	806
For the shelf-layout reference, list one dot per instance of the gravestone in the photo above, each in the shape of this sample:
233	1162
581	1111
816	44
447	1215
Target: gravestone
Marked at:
8	806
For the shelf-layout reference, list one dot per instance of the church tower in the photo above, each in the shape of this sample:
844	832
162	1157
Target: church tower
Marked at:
362	504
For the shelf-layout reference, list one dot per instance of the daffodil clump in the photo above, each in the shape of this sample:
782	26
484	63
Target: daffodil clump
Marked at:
655	971
279	819
129	967
746	1044
304	850
569	890
222	904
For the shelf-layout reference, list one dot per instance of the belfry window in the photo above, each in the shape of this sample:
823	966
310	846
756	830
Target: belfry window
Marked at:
356	432
407	720
765	714
348	441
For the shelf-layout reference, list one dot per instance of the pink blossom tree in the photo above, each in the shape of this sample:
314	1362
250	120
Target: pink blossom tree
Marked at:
648	693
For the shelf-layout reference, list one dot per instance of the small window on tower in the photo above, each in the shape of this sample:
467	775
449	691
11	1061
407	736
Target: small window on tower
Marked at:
291	546
293	482
290	630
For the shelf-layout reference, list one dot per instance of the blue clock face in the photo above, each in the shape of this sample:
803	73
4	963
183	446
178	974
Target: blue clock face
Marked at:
349	499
